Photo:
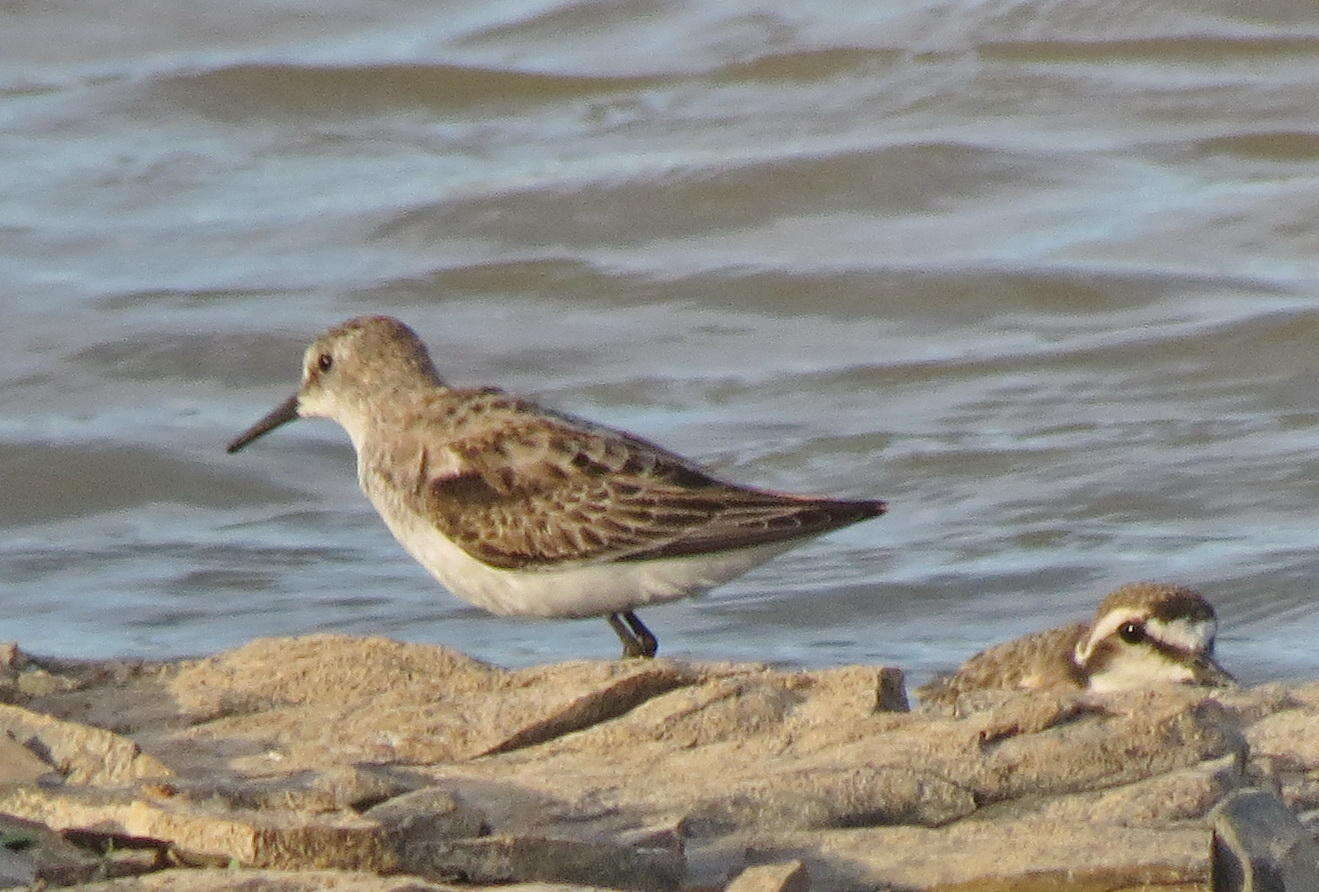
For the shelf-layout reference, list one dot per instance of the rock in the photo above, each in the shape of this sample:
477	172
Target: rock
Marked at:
661	836
1259	845
240	880
503	859
431	704
996	853
1155	735
258	839
83	754
37	682
31	849
22	678
609	697
11	658
323	699
16	867
1099	879
1179	795
370	756
789	877
1287	737
1284	749
840	797
428	814
858	691
18	764
331	789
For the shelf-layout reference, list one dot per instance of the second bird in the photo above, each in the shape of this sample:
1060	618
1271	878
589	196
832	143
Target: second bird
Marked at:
528	512
1143	634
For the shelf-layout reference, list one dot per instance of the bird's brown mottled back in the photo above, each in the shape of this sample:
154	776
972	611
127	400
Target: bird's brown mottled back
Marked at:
517	487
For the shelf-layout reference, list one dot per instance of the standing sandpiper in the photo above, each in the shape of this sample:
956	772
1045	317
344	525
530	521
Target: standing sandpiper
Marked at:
1143	634
527	512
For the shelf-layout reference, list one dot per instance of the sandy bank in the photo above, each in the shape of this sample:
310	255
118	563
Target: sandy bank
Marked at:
329	761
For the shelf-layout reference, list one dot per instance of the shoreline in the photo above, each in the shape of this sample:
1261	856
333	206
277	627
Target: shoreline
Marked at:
380	760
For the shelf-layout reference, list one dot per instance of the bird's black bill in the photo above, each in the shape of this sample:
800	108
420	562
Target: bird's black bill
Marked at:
1206	671
284	412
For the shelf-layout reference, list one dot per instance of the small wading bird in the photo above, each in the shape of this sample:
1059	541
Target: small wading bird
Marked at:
1143	634
527	512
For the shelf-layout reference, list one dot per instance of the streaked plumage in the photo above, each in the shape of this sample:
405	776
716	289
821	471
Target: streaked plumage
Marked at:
525	511
1143	633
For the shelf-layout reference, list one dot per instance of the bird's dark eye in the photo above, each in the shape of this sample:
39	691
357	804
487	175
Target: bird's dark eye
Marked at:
1132	633
325	362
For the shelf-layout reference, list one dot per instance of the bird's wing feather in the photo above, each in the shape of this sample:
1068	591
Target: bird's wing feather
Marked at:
518	488
1039	660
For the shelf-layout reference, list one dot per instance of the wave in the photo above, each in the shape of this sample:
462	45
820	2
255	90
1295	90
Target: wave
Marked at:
254	89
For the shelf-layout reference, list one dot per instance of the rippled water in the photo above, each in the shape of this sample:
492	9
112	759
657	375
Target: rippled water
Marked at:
1042	274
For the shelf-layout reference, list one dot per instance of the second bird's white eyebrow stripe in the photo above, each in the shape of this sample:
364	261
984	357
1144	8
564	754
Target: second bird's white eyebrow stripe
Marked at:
1108	626
1193	635
1184	633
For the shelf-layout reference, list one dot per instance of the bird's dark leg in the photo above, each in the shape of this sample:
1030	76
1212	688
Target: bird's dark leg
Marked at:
648	643
637	639
631	646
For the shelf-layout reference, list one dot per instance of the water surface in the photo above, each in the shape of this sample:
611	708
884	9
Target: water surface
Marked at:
1040	274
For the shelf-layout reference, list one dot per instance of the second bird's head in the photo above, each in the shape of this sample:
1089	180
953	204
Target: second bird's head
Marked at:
1148	633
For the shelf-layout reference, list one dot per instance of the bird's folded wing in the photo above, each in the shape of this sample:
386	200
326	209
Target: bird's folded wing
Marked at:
534	495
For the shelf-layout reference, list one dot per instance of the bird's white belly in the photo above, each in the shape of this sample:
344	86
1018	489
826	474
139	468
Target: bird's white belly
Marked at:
577	590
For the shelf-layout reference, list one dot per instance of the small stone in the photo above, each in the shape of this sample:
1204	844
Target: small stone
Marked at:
1258	844
258	839
670	837
427	814
791	876
10	656
16	868
82	753
506	859
814	799
861	690
356	786
331	789
160	790
18	764
40	683
236	879
30	848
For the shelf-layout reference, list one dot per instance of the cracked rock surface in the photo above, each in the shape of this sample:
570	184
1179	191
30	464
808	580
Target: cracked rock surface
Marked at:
327	761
